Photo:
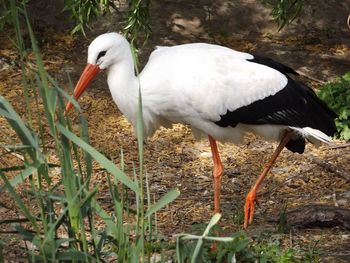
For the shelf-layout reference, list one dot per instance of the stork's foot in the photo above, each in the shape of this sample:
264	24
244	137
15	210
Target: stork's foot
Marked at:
249	207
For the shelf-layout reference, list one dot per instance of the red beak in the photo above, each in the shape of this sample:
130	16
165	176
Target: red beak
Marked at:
86	77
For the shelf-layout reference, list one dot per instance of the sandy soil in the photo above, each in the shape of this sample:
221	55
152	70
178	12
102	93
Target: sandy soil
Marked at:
316	45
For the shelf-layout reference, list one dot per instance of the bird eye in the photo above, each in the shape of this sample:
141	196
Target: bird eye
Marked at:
101	54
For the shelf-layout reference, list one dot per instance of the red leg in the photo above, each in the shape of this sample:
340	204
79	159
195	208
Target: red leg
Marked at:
251	196
217	172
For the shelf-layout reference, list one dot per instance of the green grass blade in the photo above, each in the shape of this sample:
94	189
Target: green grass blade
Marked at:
198	251
71	256
88	197
71	184
163	201
139	130
149	218
179	250
197	254
112	229
87	156
23	175
2	244
75	202
14	147
21	129
52	99
19	202
43	91
64	94
118	211
36	51
7	115
213	221
101	159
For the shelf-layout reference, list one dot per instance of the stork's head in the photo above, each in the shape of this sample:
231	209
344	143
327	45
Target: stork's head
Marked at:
104	51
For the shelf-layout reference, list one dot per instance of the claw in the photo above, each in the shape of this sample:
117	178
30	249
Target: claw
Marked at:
249	208
251	196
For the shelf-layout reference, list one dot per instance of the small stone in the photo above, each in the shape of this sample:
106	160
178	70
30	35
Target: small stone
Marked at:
205	155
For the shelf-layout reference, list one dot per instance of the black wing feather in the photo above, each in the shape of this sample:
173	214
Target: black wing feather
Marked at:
273	64
295	105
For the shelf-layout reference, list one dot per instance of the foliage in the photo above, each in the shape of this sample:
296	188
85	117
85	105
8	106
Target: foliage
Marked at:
138	21
5	12
284	11
337	95
85	11
313	254
236	248
62	214
270	252
200	250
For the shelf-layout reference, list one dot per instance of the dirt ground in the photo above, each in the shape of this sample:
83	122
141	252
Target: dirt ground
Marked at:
316	45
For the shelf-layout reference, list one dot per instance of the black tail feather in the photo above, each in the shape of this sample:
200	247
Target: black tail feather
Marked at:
296	145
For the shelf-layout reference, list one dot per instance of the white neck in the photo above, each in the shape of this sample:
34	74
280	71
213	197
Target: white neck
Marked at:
123	85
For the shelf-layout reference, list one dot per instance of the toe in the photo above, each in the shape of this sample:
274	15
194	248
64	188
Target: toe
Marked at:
249	208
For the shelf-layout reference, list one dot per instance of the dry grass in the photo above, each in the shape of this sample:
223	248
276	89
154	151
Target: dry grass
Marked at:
173	158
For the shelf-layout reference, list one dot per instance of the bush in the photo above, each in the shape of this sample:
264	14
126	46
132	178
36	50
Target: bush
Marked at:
337	95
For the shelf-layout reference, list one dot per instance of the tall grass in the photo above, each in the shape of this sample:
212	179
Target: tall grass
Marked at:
62	224
61	215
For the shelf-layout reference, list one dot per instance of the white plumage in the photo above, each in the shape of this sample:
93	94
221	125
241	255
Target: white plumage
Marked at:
202	82
219	92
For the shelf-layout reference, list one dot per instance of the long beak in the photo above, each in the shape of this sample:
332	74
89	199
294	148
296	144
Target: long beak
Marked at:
86	77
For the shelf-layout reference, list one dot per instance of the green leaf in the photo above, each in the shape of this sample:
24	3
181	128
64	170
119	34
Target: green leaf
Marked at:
346	76
197	253
52	99
26	235
241	244
64	93
73	255
213	221
19	202
112	229
21	129
163	201
101	159
337	95
23	175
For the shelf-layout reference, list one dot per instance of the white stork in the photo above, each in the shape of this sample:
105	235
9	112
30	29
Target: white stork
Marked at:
219	92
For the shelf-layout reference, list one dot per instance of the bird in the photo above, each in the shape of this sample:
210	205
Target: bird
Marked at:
221	93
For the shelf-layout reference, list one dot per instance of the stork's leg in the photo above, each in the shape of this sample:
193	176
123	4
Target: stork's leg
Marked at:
217	172
251	196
